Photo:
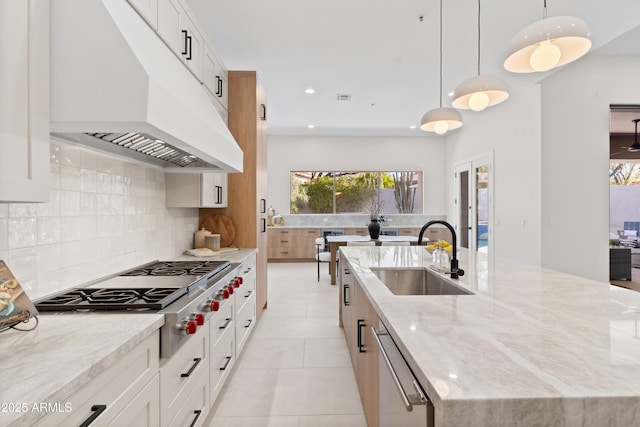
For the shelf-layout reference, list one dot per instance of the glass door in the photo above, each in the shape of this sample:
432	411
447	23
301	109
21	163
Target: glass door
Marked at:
474	203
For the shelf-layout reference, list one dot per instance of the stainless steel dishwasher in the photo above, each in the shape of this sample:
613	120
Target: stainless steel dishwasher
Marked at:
402	400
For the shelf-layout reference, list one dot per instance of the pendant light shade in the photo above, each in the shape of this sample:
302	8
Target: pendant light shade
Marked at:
547	44
441	120
479	92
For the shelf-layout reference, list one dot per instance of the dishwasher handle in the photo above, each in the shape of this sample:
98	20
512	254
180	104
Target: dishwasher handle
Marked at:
407	405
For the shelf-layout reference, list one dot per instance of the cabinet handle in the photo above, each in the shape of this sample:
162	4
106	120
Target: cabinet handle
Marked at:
248	294
226	323
264	225
248	324
186	43
263	112
197	360
263	205
224	368
97	410
190	48
219	88
198	412
360	345
344	294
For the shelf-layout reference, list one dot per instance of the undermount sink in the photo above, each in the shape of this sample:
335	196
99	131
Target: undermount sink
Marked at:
417	282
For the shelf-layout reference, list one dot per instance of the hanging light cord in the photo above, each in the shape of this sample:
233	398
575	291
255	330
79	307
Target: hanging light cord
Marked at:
544	10
440	53
478	37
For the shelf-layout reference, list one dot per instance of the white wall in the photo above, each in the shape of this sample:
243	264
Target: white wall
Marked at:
104	215
575	153
511	131
291	153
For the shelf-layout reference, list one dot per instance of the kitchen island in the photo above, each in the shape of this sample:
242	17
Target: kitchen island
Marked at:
530	346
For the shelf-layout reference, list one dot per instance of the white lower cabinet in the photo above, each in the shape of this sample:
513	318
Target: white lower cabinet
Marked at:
117	393
222	361
143	410
195	408
181	373
245	297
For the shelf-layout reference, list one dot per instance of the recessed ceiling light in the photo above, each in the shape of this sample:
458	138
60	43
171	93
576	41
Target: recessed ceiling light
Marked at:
310	126
310	91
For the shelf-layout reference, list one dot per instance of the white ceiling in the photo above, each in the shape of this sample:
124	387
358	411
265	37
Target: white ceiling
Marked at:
380	52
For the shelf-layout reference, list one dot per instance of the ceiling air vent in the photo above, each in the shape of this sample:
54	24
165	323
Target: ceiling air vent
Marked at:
344	97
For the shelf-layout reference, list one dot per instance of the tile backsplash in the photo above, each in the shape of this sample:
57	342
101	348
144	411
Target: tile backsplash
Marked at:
104	215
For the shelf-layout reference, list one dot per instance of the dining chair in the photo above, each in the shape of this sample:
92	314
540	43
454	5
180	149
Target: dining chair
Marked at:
362	243
321	254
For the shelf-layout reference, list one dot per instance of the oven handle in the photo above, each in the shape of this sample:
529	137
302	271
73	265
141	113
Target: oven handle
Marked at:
407	405
226	323
197	360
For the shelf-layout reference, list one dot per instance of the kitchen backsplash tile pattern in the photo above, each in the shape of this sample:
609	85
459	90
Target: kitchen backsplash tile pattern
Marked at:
104	215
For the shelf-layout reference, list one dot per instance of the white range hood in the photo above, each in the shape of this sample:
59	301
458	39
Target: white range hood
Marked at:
116	87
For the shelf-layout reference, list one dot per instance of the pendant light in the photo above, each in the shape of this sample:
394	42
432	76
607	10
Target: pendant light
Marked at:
441	120
635	147
547	44
479	92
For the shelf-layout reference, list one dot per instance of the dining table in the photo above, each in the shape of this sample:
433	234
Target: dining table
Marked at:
337	241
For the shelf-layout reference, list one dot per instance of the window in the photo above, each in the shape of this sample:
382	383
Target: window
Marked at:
374	193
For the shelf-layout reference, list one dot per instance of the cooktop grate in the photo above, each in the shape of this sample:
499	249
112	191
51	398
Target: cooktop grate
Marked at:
148	299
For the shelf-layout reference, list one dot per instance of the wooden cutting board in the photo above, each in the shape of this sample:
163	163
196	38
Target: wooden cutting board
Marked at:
222	225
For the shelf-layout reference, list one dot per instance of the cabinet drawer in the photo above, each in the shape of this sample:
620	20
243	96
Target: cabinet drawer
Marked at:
408	231
143	410
181	372
113	388
222	361
246	322
244	293
357	231
221	322
195	407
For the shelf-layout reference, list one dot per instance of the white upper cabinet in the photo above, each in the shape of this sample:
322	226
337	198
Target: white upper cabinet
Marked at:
148	9
214	76
202	190
24	103
177	29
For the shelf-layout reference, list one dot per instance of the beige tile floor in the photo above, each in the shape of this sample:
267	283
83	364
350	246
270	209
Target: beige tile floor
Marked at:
295	370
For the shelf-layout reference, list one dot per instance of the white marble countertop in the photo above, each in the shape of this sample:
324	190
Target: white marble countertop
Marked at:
355	238
67	350
532	344
61	355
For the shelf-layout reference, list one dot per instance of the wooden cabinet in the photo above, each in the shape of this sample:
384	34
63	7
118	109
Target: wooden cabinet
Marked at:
126	389
356	231
292	243
180	33
408	231
186	190
436	233
247	197
148	9
24	104
357	316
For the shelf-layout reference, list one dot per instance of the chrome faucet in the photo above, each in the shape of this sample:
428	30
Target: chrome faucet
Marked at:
455	271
